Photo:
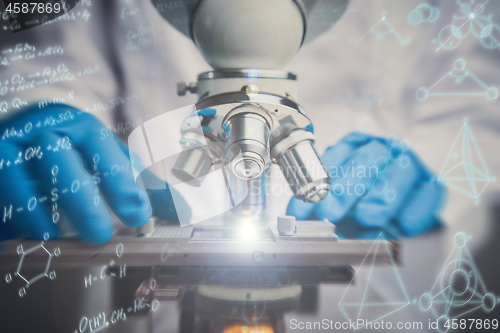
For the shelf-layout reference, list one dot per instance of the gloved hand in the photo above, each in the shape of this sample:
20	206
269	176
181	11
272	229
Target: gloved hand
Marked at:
61	161
379	182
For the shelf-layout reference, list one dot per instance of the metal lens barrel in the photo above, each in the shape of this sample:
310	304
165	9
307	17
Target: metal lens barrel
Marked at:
247	143
302	167
193	164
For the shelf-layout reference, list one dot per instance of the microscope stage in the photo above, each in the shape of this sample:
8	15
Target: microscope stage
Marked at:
209	246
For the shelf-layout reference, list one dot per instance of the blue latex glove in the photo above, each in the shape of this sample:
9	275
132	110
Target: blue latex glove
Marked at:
61	161
389	186
205	114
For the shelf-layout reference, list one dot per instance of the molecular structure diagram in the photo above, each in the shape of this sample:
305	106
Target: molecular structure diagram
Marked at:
46	273
353	309
459	286
423	13
472	22
457	291
459	73
388	29
465	169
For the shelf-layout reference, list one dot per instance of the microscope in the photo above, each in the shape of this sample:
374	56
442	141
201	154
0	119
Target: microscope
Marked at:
256	119
249	117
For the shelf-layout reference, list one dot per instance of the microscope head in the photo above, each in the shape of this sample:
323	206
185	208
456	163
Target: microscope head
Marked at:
233	34
248	42
229	33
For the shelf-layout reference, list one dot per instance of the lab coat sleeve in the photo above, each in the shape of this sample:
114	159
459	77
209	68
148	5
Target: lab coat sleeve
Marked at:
67	60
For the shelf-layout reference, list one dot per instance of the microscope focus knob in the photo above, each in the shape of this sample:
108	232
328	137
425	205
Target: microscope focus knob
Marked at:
286	225
183	88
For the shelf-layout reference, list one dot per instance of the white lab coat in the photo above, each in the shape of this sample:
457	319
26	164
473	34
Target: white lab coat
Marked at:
124	62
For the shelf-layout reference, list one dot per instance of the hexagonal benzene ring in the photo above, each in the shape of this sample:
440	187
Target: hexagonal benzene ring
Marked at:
38	276
30	280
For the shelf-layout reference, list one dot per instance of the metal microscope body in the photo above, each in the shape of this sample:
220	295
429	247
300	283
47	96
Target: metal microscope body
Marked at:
255	118
257	123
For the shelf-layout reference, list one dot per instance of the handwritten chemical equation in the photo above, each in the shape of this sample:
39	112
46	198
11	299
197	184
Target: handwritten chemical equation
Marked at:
49	121
105	270
100	321
9	210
